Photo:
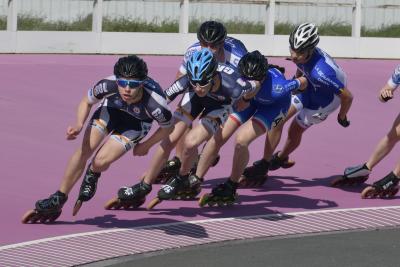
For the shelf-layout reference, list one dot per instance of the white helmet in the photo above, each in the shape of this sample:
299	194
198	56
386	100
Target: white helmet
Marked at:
305	36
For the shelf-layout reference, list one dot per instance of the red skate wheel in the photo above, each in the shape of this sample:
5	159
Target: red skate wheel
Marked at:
28	216
113	203
154	203
77	207
368	192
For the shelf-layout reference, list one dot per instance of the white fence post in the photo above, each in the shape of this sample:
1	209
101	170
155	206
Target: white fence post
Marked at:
184	17
356	26
97	19
270	20
12	16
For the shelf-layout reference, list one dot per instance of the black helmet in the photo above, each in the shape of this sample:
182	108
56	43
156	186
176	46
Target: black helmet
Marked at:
304	37
211	32
131	67
253	66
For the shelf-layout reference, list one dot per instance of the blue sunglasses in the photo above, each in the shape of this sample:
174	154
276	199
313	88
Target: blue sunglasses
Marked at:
131	83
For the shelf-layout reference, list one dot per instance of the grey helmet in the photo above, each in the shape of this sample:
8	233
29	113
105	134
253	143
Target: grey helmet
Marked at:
304	37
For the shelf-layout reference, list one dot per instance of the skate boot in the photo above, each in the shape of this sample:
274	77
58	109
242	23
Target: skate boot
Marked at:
129	197
214	163
352	176
387	187
222	195
170	169
87	190
256	175
46	210
277	162
190	188
178	187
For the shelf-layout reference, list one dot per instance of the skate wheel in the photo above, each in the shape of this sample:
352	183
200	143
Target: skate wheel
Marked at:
77	207
243	182
28	216
338	181
368	192
393	192
288	164
54	217
113	203
154	203
203	200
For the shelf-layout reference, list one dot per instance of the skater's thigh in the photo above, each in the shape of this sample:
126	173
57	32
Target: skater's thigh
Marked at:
395	130
110	151
249	132
197	135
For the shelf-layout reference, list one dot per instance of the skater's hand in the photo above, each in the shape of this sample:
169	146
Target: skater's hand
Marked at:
343	121
140	149
385	94
73	132
242	104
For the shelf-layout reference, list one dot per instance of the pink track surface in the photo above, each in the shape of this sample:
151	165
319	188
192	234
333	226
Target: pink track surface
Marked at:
38	100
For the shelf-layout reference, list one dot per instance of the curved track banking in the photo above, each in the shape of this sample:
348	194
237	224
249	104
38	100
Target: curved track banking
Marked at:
38	101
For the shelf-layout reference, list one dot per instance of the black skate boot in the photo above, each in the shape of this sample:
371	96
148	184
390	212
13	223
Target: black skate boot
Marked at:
256	175
87	190
277	162
170	190
46	210
190	188
129	197
170	169
222	195
352	176
387	187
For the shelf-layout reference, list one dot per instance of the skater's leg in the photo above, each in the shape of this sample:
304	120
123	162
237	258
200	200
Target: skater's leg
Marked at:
249	132
162	153
76	165
193	139
293	141
214	145
273	137
385	145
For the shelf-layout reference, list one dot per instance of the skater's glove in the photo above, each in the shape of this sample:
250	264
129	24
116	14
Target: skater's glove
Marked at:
344	122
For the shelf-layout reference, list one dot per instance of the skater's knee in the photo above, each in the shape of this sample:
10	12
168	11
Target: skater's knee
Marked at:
100	163
393	136
242	141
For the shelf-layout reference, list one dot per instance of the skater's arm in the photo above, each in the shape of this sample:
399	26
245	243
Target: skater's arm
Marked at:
346	99
82	114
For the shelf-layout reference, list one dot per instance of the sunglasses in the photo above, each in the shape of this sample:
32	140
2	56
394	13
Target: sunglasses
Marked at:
202	84
212	46
131	83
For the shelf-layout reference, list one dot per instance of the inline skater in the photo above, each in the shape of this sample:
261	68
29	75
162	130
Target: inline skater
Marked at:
386	187
130	101
227	50
266	111
327	91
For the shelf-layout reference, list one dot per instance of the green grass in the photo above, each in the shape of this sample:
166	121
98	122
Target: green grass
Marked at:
384	31
126	25
3	23
34	23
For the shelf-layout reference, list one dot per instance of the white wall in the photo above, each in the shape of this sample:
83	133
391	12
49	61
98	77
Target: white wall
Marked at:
374	12
176	44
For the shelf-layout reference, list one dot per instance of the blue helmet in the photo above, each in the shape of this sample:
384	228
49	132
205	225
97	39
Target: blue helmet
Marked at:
201	66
